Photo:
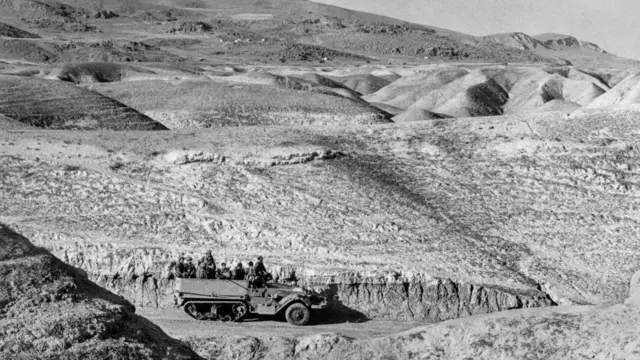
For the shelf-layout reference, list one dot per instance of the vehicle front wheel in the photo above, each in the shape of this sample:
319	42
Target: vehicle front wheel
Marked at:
298	314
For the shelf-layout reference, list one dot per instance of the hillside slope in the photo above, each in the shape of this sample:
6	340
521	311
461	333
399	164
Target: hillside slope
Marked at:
427	220
626	92
50	310
56	104
258	31
565	48
240	101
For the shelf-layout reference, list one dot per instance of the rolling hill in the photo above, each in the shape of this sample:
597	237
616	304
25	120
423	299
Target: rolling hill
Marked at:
263	31
54	104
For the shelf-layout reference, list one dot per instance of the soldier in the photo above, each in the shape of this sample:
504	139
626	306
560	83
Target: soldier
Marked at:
238	272
201	271
251	274
261	271
190	268
207	267
224	272
291	279
180	270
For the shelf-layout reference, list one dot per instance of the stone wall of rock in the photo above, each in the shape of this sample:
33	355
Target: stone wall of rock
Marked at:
419	299
144	277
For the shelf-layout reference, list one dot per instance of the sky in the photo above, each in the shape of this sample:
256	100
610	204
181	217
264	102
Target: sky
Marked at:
612	24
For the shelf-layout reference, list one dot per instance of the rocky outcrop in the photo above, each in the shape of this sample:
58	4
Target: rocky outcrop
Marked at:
516	39
178	157
291	158
144	277
543	41
353	296
50	310
571	42
105	14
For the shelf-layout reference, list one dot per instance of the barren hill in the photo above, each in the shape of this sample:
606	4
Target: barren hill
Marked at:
271	31
239	101
626	92
50	310
563	42
517	40
565	48
57	105
461	91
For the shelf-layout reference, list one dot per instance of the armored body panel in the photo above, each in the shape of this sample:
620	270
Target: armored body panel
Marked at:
203	288
232	300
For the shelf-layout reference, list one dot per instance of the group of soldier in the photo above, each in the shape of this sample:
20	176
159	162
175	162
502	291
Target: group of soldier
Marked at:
206	269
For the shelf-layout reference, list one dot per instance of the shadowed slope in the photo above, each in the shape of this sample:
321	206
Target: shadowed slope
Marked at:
49	310
625	92
535	88
407	90
488	91
10	124
14	32
474	94
58	105
96	72
362	83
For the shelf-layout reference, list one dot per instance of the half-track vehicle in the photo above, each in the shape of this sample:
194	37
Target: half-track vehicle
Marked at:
233	300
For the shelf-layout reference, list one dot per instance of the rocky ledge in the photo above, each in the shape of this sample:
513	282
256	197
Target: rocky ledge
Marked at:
50	310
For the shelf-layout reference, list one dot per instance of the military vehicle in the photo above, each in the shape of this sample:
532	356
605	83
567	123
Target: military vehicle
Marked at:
233	300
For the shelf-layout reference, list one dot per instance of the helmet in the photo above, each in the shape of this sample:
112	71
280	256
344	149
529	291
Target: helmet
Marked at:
260	257
208	252
181	258
224	264
189	258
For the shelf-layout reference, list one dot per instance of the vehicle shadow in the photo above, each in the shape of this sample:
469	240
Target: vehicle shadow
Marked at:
337	313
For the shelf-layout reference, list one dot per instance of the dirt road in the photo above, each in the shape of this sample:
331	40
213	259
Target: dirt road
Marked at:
179	325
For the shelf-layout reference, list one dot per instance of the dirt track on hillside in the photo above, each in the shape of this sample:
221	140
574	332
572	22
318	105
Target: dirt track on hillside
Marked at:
179	325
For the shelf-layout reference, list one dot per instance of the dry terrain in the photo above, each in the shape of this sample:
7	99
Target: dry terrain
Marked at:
453	196
50	310
579	332
376	214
